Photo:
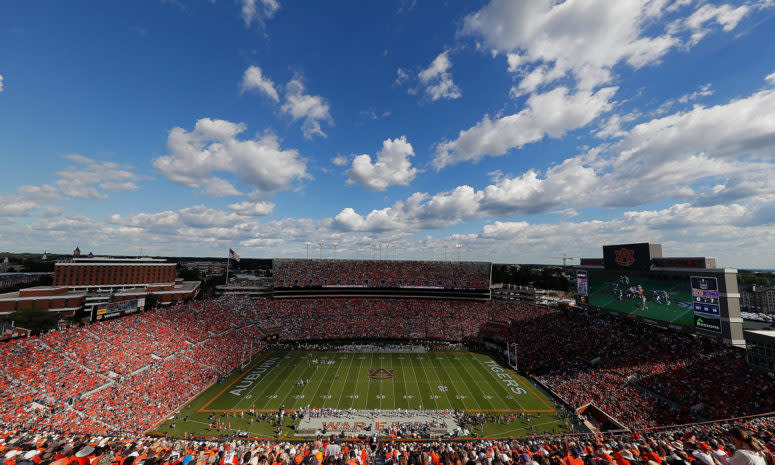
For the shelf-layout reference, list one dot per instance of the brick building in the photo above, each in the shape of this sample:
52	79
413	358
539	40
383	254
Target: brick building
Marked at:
88	282
113	272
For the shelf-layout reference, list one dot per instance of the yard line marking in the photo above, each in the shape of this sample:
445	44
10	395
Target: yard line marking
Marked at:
393	382
267	383
327	396
493	380
346	378
466	384
444	368
419	389
202	409
357	380
328	367
380	396
300	364
433	388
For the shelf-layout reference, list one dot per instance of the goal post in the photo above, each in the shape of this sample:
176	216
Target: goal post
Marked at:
512	350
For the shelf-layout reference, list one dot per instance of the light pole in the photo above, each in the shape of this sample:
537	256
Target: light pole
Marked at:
320	254
334	246
308	243
458	247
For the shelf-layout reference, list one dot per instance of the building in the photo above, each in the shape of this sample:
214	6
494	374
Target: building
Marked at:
113	273
760	349
206	268
527	294
247	284
758	299
95	282
51	298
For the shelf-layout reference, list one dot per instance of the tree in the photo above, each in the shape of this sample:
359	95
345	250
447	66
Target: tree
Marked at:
79	316
151	300
192	274
34	319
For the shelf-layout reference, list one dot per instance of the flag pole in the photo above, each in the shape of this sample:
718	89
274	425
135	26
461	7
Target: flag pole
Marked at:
228	256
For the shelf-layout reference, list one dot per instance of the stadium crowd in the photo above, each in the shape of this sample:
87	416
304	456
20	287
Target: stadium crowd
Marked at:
752	442
388	273
124	374
642	375
340	318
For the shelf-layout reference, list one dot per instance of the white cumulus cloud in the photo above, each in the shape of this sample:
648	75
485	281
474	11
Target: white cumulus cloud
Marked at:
546	40
392	166
252	208
550	114
438	80
313	109
724	15
340	160
253	79
214	147
88	178
258	10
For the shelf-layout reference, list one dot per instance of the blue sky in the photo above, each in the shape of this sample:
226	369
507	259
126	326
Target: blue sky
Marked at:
501	130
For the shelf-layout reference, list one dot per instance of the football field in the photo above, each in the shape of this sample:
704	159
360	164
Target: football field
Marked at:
292	380
385	381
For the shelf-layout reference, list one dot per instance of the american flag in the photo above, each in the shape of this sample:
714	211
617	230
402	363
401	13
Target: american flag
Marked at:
233	254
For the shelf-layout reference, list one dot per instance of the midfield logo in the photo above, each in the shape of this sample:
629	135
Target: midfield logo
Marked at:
625	257
381	373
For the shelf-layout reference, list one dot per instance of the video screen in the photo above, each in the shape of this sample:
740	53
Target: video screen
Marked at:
648	295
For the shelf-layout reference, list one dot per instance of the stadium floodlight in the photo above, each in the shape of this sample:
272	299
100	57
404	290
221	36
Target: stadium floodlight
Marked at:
334	246
320	253
308	243
459	247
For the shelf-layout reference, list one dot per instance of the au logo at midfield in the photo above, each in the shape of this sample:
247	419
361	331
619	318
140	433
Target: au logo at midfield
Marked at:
381	373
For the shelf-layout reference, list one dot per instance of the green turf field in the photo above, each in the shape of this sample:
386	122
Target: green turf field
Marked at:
366	381
604	292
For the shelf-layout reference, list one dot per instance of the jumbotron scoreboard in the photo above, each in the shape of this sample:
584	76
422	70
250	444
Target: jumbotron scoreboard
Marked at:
682	293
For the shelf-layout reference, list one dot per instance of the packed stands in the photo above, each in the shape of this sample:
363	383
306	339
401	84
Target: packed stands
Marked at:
380	274
639	374
124	374
337	318
748	442
127	374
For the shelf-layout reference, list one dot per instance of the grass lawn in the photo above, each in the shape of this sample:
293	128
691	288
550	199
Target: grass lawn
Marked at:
366	381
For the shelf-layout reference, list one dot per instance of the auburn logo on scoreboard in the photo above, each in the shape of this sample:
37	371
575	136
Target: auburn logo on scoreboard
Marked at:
625	257
382	373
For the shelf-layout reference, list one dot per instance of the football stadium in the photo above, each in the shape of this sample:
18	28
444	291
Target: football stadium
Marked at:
378	350
391	232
